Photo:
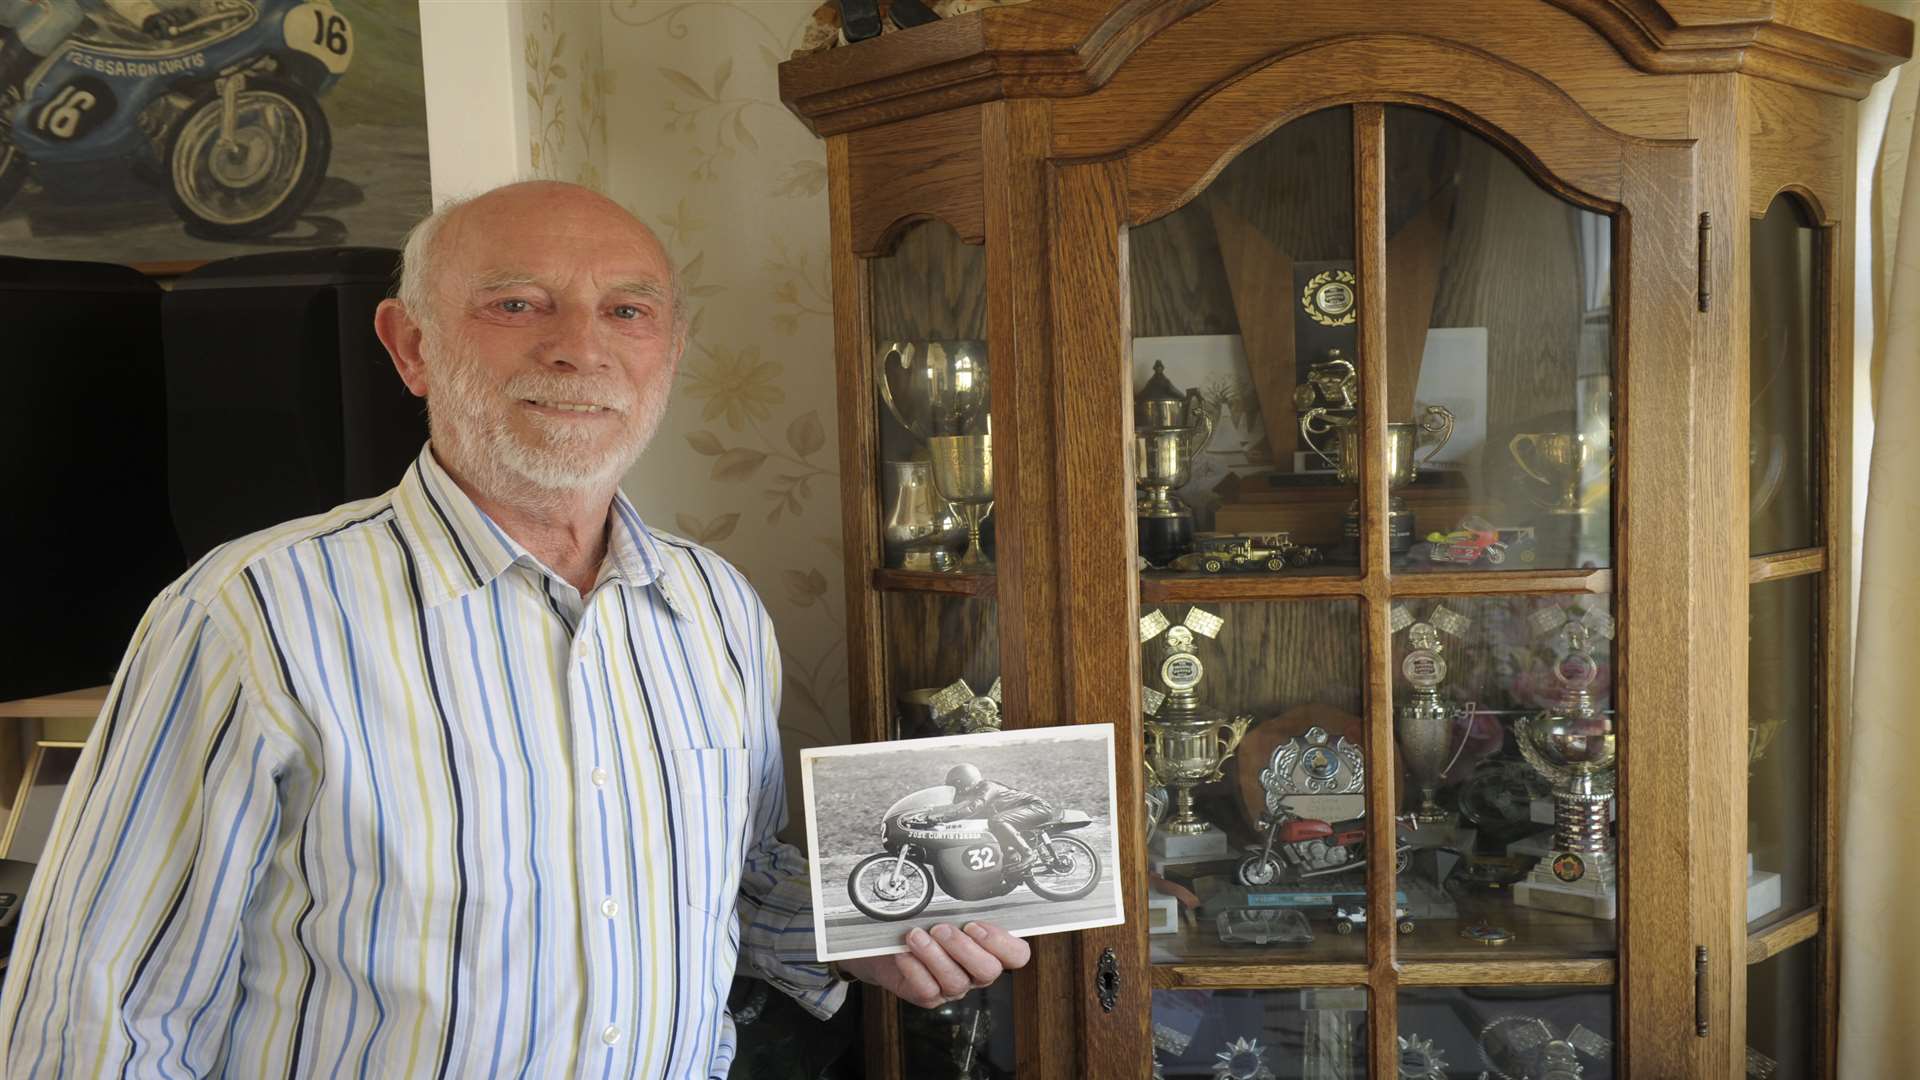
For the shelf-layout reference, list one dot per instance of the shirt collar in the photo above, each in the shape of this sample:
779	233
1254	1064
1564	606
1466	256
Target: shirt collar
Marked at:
459	549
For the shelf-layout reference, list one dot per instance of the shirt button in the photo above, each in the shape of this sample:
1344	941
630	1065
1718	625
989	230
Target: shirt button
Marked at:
611	1035
599	777
609	908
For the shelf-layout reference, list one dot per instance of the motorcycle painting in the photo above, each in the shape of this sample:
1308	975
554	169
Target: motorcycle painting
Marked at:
964	860
226	109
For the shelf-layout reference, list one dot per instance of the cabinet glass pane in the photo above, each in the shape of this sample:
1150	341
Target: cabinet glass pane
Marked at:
969	1039
929	300
1504	721
1511	1033
943	670
1316	1034
1784	395
1245	323
1781	1029
1499	358
943	663
1257	779
1782	756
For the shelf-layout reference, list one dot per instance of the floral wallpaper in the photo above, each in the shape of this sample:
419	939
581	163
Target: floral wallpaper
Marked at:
568	84
701	148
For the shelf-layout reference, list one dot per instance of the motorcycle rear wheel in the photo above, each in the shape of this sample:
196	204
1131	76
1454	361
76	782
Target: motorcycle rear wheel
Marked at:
263	182
1078	856
873	877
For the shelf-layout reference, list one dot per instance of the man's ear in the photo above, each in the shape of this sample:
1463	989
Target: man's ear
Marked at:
401	335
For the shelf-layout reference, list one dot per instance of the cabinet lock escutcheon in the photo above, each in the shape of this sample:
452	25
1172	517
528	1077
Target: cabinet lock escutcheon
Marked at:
1106	982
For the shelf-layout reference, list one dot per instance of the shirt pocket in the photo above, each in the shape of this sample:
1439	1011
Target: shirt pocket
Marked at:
710	799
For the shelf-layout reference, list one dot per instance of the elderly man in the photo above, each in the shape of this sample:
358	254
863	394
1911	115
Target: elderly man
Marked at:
479	777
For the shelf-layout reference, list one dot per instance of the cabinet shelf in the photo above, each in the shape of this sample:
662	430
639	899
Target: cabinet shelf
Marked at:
1164	588
1481	972
887	579
1781	936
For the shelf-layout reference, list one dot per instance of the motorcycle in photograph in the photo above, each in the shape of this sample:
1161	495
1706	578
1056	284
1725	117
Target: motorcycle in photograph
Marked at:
224	110
1298	848
964	860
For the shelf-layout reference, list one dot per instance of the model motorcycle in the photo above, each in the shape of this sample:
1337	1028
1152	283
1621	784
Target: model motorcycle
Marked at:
1298	848
225	109
964	859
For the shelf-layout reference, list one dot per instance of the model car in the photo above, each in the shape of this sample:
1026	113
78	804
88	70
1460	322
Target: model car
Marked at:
1217	553
1346	918
1476	539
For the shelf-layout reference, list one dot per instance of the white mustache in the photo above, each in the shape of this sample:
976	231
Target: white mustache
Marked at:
570	389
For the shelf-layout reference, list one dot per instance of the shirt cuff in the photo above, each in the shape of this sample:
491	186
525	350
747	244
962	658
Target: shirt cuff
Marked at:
777	945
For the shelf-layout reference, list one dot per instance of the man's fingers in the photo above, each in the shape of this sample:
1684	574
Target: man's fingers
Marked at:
1012	952
915	985
931	951
981	966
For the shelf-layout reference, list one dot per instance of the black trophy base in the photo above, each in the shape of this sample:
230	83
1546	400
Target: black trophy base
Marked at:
1164	539
1399	531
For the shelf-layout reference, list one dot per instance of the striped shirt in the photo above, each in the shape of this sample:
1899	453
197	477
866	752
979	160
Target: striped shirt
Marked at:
376	795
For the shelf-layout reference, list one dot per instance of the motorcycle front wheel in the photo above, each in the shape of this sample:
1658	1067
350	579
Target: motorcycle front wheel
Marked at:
1258	870
265	178
1068	870
882	893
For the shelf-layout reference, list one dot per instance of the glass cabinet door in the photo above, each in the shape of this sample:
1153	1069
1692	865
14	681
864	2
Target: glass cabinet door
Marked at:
939	619
1328	600
1790	771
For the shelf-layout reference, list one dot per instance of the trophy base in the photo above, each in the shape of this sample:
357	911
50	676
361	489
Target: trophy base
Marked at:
1211	843
1592	896
1763	892
1399	527
1164	538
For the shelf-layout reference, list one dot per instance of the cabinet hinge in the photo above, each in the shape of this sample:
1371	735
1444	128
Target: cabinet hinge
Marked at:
1700	990
1706	259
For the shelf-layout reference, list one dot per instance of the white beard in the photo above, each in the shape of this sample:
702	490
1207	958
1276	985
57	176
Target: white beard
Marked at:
471	423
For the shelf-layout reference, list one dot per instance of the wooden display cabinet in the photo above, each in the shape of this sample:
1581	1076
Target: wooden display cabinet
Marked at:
1613	240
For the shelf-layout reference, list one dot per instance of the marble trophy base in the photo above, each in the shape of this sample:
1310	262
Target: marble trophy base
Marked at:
1763	892
1163	912
1591	897
1164	538
1176	848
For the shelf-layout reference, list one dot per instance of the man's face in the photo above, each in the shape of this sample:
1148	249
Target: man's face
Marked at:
552	348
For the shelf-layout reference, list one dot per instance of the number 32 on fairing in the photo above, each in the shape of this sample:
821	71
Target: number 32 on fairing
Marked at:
981	858
322	33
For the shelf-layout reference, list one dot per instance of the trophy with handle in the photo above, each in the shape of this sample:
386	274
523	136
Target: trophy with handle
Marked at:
1169	429
1424	722
1403	461
936	388
1188	743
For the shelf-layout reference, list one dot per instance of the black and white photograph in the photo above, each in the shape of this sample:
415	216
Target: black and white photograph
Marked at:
1013	827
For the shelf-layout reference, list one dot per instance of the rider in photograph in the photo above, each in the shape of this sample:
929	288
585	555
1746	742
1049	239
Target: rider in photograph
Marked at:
31	29
1011	812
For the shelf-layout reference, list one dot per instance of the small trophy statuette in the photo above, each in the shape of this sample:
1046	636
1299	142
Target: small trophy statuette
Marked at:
1188	743
1572	745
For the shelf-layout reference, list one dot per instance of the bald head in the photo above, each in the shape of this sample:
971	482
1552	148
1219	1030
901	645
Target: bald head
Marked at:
461	223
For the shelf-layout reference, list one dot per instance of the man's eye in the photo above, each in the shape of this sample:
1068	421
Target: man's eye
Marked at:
629	311
515	307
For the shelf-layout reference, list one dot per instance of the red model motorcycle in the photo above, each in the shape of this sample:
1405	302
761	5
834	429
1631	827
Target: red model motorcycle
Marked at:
1298	848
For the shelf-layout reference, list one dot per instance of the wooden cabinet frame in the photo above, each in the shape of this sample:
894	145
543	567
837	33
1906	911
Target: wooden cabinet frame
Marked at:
1049	130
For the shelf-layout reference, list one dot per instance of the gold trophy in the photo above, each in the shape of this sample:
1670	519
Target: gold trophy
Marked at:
1169	429
1188	743
1563	461
963	474
1573	746
1320	424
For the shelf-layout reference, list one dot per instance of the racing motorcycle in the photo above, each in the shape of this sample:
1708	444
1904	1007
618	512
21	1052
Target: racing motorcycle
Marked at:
1298	848
225	111
964	859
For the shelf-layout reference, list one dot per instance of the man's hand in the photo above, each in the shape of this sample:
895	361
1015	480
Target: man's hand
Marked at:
944	965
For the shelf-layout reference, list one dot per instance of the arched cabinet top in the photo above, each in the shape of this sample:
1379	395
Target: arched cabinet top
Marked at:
1071	48
1535	122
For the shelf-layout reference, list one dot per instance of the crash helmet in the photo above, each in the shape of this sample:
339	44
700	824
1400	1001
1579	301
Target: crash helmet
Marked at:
962	777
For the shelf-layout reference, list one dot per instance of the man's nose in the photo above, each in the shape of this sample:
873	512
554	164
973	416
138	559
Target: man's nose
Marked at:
576	343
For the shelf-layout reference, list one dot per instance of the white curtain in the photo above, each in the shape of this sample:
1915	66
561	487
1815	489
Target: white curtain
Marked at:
1879	916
